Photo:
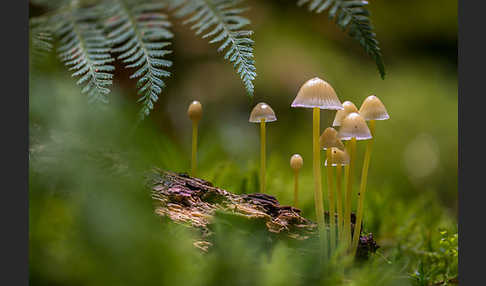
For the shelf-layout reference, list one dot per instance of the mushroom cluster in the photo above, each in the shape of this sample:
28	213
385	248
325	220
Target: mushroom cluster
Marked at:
352	126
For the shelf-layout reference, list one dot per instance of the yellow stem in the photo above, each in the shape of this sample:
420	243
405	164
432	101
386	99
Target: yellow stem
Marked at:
194	148
362	187
317	177
262	156
330	193
339	201
349	191
296	188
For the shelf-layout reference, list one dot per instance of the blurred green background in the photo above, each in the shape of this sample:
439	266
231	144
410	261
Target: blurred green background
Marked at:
91	219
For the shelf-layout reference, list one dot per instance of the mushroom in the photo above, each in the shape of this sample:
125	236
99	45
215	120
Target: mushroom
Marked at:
371	109
349	107
317	94
194	111
296	163
262	113
338	158
353	127
328	140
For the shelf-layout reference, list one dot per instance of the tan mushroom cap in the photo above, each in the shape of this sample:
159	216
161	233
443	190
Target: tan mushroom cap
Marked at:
373	109
340	114
296	162
353	125
338	157
329	138
262	111
317	93
194	111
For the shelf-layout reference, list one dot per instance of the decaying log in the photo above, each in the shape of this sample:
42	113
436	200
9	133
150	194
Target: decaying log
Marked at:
193	201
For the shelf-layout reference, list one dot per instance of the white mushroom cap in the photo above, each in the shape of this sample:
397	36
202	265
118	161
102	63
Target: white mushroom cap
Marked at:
338	157
317	93
340	114
195	110
329	138
373	109
353	125
262	111
296	162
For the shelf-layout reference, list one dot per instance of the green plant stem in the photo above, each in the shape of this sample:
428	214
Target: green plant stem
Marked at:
194	148
296	188
339	201
262	155
349	192
362	187
330	194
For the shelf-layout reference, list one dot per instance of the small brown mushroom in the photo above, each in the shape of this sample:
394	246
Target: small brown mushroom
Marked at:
296	163
262	113
194	111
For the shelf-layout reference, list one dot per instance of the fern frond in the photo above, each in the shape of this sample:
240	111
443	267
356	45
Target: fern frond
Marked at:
41	39
84	48
139	32
353	17
221	22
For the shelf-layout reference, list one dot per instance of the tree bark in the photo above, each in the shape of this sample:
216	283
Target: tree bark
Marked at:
193	201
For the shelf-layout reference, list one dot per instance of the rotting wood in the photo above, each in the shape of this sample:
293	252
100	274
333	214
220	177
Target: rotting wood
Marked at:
193	201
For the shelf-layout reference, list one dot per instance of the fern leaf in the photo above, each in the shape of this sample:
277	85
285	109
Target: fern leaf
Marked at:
139	32
220	21
86	51
353	17
41	40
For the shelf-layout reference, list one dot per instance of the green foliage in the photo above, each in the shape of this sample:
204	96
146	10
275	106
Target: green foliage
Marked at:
351	15
90	33
139	32
40	40
439	266
85	49
222	19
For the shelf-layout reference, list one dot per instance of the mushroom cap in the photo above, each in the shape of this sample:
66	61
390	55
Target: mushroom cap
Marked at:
195	110
296	162
340	114
338	157
353	125
329	138
373	109
262	111
317	93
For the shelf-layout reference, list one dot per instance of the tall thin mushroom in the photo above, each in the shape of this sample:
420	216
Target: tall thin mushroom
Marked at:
296	163
349	107
262	113
194	111
338	158
371	109
317	94
353	127
329	139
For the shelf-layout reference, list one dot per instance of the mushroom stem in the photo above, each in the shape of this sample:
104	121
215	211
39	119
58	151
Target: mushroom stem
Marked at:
330	194
262	155
317	175
349	191
296	188
362	187
339	200
194	148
